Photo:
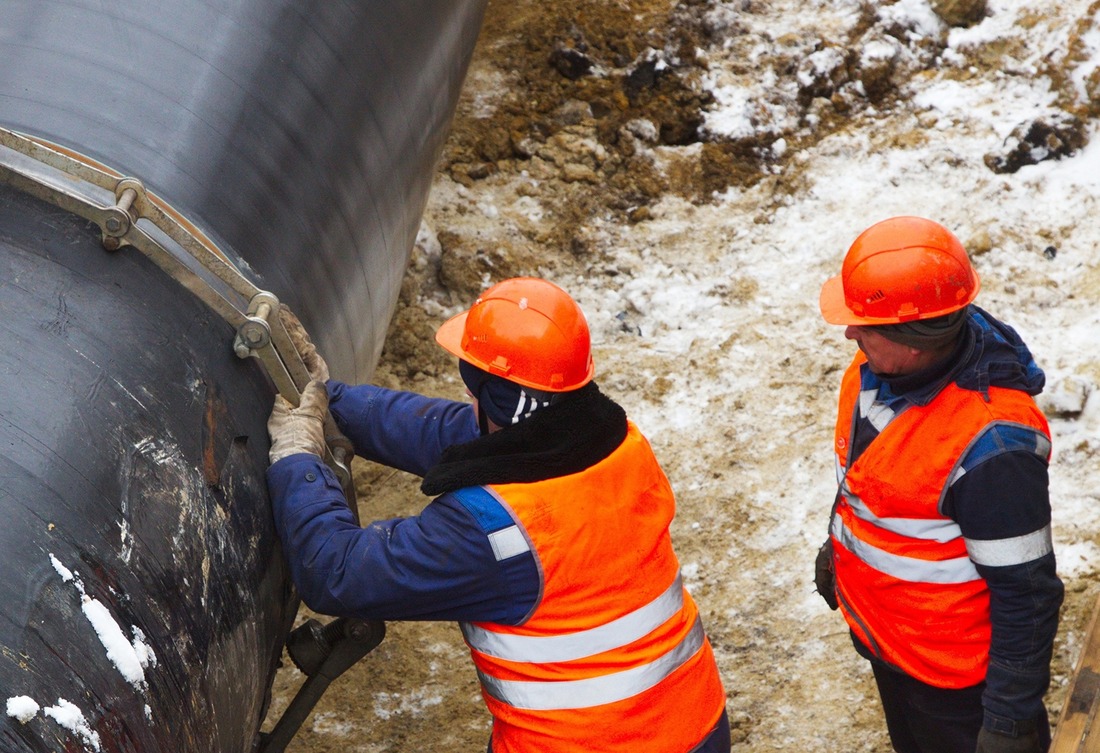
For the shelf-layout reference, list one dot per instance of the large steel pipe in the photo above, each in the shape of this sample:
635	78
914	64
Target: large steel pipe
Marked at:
144	601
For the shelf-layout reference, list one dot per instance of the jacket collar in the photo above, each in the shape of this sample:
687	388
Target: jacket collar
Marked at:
990	354
567	437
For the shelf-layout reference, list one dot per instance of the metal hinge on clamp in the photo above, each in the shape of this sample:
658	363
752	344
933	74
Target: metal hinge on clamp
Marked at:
129	215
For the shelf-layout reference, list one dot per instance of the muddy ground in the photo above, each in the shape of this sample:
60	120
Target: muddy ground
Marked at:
571	142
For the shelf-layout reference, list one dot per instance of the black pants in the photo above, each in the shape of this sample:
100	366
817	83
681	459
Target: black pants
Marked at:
926	719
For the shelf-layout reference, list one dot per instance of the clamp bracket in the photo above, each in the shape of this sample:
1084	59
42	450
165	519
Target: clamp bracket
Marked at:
129	215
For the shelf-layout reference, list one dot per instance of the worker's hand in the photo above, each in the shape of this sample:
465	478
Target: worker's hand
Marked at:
823	574
316	365
301	429
994	742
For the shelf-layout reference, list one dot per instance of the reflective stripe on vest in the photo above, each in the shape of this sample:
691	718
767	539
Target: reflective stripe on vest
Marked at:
613	657
595	691
558	648
507	543
941	530
505	537
908	582
912	569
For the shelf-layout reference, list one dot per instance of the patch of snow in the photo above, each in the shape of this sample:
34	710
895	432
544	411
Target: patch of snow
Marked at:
69	716
22	708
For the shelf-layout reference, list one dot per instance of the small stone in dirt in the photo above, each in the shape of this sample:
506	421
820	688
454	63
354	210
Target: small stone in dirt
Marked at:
980	243
1031	142
570	62
960	12
481	171
822	73
1065	398
572	112
626	325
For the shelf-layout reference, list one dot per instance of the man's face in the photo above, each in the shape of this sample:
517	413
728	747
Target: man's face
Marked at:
886	358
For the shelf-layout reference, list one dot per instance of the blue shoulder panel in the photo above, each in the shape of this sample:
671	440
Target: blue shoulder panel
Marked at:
507	539
486	508
1002	437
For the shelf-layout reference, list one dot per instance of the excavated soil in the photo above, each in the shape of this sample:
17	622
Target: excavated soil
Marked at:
570	139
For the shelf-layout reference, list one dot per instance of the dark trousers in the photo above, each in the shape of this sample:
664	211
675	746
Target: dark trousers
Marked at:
718	741
926	719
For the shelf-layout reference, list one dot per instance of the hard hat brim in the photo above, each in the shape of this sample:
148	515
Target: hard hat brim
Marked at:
449	335
834	307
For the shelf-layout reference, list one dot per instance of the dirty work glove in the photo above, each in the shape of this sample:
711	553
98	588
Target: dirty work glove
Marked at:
823	574
316	365
995	742
300	429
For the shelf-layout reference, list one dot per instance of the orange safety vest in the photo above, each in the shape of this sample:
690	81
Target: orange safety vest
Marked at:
905	583
614	657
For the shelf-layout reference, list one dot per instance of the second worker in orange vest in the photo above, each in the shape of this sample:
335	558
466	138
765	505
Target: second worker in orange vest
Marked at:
548	537
940	538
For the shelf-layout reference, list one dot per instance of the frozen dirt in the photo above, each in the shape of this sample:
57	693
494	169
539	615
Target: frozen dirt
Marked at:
692	172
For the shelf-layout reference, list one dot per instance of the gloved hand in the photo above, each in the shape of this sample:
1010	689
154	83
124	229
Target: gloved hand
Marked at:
995	742
300	429
823	574
316	365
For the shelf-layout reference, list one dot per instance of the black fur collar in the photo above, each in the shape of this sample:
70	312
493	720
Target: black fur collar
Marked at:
564	438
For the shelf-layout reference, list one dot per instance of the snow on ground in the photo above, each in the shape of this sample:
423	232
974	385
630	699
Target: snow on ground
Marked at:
706	327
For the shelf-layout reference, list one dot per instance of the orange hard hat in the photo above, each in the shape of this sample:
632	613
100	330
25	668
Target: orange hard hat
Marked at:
526	330
900	270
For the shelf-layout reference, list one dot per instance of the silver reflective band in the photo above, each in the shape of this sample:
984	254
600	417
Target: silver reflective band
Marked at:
1043	446
928	529
958	474
615	634
1014	551
595	691
956	570
508	542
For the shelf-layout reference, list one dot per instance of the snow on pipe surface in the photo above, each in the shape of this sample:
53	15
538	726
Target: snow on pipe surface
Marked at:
145	601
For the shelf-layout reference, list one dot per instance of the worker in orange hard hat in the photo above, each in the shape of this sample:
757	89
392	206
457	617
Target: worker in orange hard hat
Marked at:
547	538
939	553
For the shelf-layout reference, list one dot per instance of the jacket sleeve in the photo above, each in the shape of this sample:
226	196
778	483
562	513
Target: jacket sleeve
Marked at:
1002	505
399	429
438	565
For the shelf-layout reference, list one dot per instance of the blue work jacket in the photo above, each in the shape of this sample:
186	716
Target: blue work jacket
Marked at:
437	565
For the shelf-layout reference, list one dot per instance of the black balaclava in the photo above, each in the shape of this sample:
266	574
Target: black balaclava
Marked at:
501	401
926	334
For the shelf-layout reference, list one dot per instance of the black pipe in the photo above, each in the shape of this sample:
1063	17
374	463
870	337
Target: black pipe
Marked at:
144	601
